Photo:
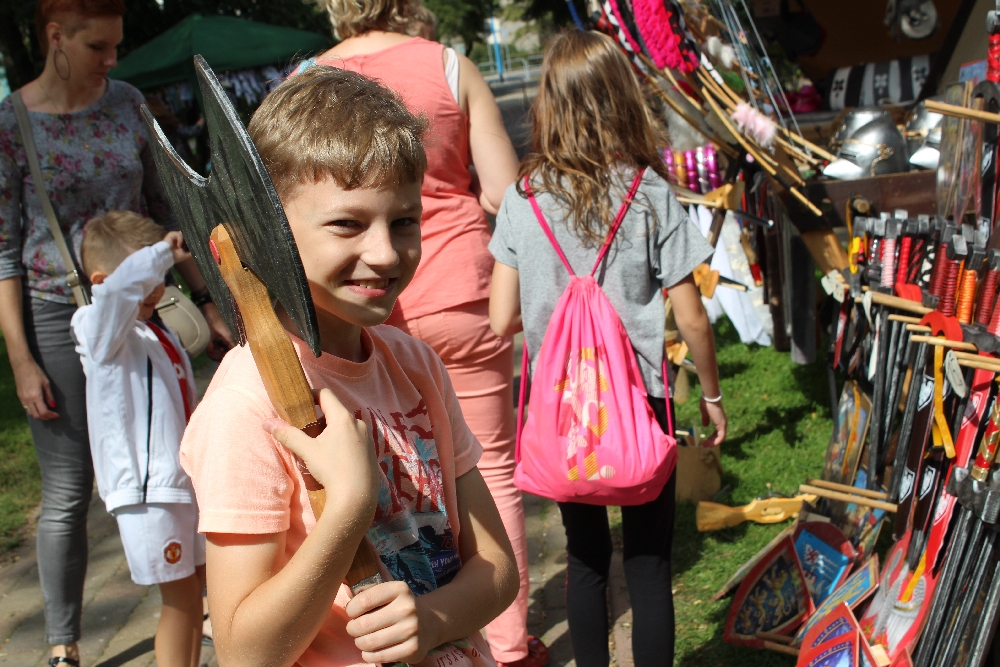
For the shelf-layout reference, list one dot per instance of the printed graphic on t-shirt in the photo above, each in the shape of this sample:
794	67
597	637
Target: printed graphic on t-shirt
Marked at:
411	530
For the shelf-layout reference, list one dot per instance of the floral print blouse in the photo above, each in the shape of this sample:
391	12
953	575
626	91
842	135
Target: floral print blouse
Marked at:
93	161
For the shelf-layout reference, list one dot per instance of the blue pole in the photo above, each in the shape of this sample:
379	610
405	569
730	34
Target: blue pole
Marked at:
496	44
574	14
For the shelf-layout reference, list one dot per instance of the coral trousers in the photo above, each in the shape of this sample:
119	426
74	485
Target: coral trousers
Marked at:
481	368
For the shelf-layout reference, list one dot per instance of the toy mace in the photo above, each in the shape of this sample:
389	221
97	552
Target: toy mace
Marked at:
236	229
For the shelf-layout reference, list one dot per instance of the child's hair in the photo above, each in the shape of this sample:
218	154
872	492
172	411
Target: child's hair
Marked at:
591	121
108	240
356	17
326	121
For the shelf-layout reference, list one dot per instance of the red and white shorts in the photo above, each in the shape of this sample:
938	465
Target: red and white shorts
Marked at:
161	541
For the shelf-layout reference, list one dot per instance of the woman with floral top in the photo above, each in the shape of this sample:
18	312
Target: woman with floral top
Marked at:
93	149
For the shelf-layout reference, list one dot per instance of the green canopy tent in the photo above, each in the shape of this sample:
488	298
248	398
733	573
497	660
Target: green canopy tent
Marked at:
227	43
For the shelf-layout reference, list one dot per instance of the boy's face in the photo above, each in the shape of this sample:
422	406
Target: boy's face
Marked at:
359	248
148	304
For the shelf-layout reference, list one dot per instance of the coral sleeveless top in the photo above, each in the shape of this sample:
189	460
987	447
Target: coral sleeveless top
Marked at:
456	265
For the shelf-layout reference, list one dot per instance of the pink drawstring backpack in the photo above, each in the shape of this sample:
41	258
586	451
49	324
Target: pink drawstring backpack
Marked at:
591	436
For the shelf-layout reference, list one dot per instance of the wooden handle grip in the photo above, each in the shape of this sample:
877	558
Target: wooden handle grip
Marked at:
848	498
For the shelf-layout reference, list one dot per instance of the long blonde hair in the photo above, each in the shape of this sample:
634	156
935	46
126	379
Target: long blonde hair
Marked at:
591	122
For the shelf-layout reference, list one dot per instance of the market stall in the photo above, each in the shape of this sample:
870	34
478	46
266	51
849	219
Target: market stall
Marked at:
894	198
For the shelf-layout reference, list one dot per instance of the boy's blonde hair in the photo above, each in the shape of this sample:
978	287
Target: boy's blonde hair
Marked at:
326	121
108	240
356	17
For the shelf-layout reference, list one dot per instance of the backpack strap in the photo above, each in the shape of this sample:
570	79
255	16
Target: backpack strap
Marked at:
618	219
545	225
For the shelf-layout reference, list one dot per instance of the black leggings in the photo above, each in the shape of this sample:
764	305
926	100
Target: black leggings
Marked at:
648	538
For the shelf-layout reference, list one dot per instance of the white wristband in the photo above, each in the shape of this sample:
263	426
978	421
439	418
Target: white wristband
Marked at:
717	399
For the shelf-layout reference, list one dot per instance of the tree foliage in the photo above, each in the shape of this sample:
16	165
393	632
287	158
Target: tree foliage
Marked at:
464	20
144	20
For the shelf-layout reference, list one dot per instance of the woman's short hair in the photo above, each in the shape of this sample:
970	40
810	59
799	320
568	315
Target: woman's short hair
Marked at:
356	17
72	14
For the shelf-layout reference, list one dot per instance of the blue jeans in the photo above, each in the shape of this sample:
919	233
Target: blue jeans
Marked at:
63	450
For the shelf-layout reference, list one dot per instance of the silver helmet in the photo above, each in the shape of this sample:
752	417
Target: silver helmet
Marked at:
929	154
920	124
875	149
853	121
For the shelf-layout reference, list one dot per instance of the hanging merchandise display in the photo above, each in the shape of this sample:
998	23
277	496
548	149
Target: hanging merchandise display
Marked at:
915	328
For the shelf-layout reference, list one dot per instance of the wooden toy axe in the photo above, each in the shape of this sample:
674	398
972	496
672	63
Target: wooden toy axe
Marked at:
236	229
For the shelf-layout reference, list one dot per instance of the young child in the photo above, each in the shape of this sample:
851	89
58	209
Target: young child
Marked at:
592	136
396	458
140	393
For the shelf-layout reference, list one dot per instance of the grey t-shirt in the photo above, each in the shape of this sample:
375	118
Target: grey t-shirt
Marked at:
656	246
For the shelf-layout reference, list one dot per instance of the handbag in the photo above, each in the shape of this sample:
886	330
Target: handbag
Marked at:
183	317
73	277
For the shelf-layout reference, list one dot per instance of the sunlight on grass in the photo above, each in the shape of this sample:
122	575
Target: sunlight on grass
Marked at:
20	480
779	426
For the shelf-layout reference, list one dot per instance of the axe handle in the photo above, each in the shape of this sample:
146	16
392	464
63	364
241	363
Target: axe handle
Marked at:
283	377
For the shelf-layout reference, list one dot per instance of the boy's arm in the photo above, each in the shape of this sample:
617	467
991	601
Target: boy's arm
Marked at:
696	330
265	613
116	301
405	628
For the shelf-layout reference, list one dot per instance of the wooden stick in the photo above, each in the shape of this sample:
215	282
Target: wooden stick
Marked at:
961	112
980	365
833	486
847	498
896	302
944	342
720	143
669	76
780	648
775	637
826	155
757	156
977	357
906	318
918	328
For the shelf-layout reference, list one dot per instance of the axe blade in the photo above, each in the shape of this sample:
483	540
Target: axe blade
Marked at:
240	195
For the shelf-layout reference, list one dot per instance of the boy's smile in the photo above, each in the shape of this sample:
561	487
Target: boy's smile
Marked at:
360	249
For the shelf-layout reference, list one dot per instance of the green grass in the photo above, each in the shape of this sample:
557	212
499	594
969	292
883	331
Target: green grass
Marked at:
20	479
779	427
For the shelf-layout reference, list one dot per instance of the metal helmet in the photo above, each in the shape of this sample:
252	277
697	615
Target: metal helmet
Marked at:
929	154
853	121
875	149
920	124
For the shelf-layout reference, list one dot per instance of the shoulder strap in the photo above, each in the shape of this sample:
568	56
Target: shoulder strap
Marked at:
618	219
28	139
545	225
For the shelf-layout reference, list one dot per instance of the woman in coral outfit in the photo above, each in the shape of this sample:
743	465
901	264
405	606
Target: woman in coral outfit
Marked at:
470	162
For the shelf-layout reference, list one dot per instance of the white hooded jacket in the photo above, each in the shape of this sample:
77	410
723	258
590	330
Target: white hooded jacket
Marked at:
135	443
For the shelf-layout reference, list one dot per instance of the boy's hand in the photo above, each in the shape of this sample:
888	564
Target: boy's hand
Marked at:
176	241
341	458
389	624
715	413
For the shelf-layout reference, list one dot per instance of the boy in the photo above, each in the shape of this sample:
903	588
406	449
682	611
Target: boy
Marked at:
396	458
140	393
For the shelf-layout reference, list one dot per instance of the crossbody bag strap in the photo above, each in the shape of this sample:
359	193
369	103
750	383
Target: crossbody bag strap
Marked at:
28	139
636	182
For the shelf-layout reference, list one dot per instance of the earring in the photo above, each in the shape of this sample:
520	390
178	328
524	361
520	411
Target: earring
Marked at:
55	64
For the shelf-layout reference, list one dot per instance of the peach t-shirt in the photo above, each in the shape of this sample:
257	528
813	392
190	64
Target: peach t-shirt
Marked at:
247	483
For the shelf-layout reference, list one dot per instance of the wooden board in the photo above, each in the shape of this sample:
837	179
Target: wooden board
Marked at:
913	191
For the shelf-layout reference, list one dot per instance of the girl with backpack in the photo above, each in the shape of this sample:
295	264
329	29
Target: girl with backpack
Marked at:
593	197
